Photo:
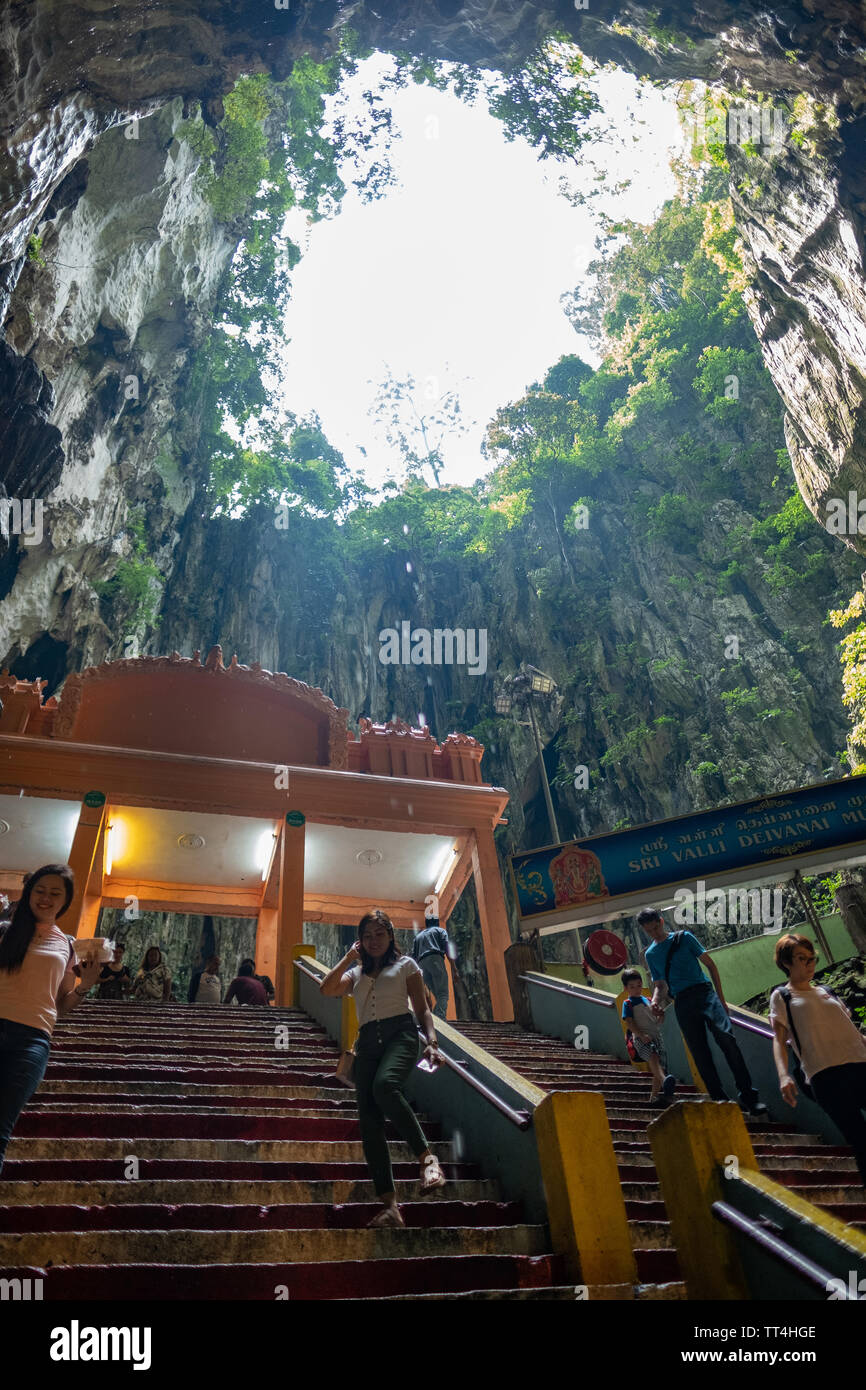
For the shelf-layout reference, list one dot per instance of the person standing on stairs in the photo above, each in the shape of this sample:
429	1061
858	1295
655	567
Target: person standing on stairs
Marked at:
827	1042
646	1032
152	984
39	980
429	949
675	962
386	984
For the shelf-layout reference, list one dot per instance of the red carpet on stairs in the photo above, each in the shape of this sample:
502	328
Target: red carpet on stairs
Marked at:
820	1172
175	1153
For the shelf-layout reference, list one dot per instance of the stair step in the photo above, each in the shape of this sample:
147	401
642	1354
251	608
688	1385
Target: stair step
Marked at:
273	1150
136	1091
323	1279
228	1191
168	1247
649	1234
137	1125
215	1216
107	1170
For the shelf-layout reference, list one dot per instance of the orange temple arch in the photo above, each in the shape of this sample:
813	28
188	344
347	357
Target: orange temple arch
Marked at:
197	787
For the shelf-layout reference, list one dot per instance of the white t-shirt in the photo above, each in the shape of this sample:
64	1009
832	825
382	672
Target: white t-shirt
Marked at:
209	989
29	995
388	995
828	1037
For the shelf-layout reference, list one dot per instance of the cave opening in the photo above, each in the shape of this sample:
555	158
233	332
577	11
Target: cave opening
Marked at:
639	513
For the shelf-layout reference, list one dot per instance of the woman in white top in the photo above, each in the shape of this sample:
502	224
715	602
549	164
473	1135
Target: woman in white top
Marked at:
385	983
830	1046
37	982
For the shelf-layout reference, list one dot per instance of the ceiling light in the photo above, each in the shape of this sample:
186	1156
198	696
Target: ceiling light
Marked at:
191	841
369	857
265	851
444	865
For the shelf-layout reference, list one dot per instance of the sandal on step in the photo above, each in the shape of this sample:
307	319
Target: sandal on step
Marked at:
431	1175
388	1216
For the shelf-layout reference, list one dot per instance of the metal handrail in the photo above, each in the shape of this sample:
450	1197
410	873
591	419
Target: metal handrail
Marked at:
772	1245
752	1027
307	971
521	1118
609	1003
572	992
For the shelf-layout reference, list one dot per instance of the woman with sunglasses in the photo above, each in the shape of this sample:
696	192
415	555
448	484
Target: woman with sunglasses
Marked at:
387	985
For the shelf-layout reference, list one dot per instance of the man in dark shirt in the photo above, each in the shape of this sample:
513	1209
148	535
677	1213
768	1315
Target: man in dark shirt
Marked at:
262	979
246	988
675	965
429	949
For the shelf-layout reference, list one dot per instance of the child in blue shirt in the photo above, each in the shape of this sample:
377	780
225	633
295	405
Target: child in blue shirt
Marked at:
646	1031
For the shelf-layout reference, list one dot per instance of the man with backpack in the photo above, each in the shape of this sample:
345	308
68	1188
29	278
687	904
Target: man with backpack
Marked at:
829	1051
674	961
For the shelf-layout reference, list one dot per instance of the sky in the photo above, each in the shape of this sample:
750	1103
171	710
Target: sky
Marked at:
457	273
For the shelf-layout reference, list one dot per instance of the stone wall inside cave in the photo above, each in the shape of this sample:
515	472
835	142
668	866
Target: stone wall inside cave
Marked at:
133	258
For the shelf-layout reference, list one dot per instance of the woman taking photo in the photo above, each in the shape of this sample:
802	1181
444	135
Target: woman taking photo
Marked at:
386	984
37	983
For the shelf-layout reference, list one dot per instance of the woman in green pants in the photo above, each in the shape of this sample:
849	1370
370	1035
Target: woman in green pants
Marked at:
385	984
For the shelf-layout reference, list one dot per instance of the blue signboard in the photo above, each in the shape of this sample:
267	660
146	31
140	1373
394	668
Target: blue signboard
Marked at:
756	834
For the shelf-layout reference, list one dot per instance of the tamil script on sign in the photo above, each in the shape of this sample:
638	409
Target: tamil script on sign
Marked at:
753	833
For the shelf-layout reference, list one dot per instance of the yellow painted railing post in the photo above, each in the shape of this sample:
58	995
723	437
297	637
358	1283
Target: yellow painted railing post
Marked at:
697	1080
691	1144
348	1023
586	1211
295	989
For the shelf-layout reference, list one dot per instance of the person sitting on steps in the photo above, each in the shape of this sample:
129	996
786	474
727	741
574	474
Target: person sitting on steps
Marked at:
675	964
246	988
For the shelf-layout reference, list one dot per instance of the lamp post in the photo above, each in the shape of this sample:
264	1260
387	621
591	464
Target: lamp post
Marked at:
522	687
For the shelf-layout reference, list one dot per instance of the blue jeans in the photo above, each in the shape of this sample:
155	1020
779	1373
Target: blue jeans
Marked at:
436	979
23	1059
699	1010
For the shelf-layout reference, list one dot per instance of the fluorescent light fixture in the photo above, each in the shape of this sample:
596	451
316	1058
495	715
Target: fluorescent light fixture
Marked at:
444	865
110	847
265	852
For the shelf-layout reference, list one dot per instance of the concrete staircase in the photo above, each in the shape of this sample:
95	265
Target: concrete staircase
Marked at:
817	1171
250	1183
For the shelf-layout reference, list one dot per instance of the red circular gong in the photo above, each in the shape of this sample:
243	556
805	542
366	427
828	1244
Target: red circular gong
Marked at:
606	952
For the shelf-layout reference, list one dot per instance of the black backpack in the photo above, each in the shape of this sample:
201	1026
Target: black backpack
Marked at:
676	943
796	1065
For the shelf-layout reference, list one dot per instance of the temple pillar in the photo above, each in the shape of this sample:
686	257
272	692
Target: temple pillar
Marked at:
290	911
88	919
267	927
76	921
495	930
